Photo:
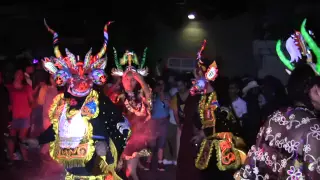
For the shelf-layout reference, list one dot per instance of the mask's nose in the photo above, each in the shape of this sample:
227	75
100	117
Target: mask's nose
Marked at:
83	85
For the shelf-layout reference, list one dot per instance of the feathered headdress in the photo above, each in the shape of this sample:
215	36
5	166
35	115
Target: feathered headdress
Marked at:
65	68
130	59
299	45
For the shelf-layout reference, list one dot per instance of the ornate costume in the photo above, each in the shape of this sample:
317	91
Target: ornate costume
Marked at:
83	120
299	45
288	143
221	149
136	103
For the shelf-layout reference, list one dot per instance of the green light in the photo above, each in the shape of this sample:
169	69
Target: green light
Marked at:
282	57
311	43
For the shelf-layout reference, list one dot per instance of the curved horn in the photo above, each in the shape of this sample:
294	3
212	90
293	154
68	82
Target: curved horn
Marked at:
282	57
116	60
57	52
105	42
144	56
199	54
86	64
311	43
72	58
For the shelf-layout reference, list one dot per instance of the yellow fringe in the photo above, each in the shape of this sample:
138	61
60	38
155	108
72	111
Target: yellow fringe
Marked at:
199	163
110	168
104	166
74	162
234	165
70	176
55	112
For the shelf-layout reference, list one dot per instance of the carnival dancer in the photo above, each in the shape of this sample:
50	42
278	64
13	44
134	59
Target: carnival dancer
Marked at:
288	143
219	149
83	133
137	104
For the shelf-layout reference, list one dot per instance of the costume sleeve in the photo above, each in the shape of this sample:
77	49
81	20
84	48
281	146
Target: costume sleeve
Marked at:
47	136
311	152
197	121
113	120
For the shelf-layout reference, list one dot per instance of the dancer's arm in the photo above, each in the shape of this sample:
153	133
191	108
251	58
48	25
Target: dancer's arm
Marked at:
47	136
143	84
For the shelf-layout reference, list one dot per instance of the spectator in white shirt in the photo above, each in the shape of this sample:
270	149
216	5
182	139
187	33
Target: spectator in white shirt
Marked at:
239	106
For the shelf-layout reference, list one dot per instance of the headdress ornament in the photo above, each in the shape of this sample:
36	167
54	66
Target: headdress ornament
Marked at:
205	72
300	46
130	59
70	69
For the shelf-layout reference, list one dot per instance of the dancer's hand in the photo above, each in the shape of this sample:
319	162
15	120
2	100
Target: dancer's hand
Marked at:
137	77
101	148
198	138
119	165
31	142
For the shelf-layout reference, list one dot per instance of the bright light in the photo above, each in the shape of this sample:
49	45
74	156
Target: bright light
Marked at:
191	16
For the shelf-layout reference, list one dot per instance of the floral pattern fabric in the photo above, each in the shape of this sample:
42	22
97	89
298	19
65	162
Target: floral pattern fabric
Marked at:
287	148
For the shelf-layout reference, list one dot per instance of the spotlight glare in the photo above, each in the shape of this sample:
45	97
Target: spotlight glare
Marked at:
191	16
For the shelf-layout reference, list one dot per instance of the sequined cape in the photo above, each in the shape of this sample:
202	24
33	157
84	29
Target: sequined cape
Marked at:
104	125
287	147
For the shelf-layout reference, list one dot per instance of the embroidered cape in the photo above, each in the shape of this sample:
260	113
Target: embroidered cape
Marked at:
287	147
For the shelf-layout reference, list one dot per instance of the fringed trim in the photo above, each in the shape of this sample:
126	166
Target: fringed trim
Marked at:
70	176
55	112
233	155
72	162
243	156
142	153
204	155
110	168
104	166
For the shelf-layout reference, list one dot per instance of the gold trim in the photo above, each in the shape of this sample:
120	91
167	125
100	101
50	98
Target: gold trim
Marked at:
233	165
70	176
55	111
202	162
110	168
142	153
205	105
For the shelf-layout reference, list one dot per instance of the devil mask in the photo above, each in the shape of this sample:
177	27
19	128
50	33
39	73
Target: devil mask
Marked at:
78	75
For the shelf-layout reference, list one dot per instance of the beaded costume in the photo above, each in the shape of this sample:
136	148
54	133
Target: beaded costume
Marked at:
136	104
288	143
220	149
82	117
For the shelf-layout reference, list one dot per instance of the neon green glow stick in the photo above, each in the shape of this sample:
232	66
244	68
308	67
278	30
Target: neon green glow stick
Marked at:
282	57
311	43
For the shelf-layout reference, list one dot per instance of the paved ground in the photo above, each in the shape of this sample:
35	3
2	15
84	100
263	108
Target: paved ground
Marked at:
49	170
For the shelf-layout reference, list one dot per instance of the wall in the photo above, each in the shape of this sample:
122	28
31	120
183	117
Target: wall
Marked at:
228	40
267	60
